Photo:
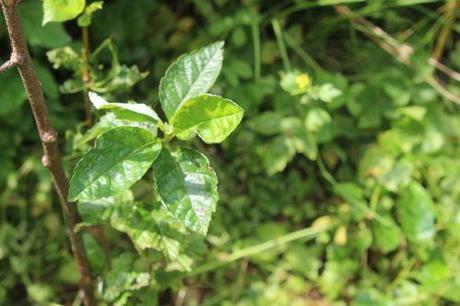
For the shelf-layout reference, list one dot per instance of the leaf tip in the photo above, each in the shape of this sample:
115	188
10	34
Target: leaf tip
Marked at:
96	99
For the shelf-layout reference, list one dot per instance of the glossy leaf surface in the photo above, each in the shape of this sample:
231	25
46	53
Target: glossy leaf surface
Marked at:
191	75
62	10
187	187
135	111
416	213
121	157
213	118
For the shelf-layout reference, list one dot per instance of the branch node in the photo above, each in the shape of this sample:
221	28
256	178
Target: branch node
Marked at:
18	59
49	136
46	161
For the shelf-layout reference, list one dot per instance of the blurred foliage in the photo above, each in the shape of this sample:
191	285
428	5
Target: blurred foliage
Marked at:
334	128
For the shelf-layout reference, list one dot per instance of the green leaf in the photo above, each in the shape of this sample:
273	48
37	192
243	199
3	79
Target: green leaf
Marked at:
146	231
386	238
191	75
61	10
135	111
66	58
106	123
48	36
99	211
317	118
120	158
267	123
12	94
85	19
187	187
416	213
276	154
212	117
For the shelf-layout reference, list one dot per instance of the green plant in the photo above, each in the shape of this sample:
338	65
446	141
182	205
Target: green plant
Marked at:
184	181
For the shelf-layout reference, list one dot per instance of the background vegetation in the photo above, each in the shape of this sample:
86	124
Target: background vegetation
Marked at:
340	187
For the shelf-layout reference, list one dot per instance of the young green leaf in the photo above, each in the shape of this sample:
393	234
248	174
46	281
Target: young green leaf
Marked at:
416	213
212	117
136	111
85	19
120	158
146	231
191	75
62	10
187	187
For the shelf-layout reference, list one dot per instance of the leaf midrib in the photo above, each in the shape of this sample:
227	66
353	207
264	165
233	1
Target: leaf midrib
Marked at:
183	99
208	120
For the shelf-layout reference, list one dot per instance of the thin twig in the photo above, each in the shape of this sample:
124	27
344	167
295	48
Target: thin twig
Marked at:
450	12
307	233
446	70
11	63
48	136
401	51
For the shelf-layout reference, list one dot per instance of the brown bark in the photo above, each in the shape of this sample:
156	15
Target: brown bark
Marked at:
20	58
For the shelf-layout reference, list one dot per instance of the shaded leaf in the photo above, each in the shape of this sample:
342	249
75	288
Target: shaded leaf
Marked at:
187	187
49	36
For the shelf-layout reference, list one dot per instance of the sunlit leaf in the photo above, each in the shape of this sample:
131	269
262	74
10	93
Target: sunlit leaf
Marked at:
62	10
212	117
416	213
120	158
191	75
136	111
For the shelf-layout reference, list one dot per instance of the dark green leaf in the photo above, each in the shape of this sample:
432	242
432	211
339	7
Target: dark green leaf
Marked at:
120	158
187	187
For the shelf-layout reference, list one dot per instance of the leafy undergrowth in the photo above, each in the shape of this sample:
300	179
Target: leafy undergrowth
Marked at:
340	187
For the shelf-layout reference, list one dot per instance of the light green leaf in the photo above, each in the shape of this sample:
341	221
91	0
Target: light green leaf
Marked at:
416	213
146	230
120	158
386	238
66	58
317	118
276	154
136	111
106	123
212	117
85	19
191	75
99	211
62	10
187	187
266	123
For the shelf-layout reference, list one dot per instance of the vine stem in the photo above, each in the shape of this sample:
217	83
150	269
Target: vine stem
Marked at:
305	233
48	136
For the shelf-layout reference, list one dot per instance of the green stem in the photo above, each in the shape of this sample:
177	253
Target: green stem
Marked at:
308	60
256	44
281	45
306	233
324	172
